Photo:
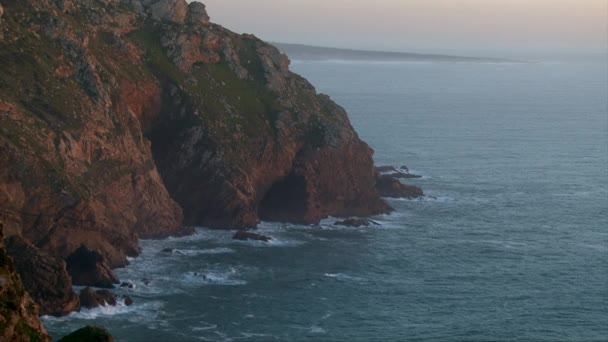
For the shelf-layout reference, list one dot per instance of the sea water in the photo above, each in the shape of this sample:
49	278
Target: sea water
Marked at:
511	244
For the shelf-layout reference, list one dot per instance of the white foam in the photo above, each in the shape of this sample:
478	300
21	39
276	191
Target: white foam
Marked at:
203	328
315	329
104	311
195	252
342	276
226	278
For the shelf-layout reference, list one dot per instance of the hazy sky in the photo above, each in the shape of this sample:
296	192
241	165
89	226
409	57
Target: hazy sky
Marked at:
421	24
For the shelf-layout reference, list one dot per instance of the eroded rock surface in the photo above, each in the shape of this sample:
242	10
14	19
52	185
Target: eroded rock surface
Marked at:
18	313
44	277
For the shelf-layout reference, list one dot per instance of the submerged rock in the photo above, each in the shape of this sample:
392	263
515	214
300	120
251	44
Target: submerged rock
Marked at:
244	235
87	268
45	278
355	222
89	334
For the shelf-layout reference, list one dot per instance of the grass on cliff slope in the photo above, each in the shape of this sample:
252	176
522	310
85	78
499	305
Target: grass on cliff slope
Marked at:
224	102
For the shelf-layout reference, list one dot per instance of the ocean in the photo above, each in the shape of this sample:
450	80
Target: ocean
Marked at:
510	244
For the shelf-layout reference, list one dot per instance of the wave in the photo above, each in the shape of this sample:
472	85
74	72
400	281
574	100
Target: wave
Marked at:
225	278
195	252
342	276
105	311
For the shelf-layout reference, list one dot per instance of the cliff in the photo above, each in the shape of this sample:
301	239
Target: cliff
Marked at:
127	119
18	312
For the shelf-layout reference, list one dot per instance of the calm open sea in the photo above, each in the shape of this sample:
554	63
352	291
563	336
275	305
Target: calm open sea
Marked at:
513	246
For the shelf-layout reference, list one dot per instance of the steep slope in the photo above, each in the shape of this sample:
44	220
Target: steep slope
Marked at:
18	312
117	116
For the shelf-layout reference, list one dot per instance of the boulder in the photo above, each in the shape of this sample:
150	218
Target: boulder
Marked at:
244	235
90	298
87	268
128	300
197	14
389	186
89	334
45	278
355	222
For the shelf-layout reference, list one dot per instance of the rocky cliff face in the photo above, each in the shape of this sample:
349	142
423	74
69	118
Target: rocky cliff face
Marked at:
122	119
18	312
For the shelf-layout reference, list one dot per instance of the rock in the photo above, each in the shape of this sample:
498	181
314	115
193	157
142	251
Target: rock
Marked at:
168	10
244	235
197	14
18	313
128	300
128	285
45	278
89	334
168	250
401	172
87	268
401	175
90	298
391	187
353	222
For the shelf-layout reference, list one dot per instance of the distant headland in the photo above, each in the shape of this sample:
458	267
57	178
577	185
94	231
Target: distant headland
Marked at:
319	53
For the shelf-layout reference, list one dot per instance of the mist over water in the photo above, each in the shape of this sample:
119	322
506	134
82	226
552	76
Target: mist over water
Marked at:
512	245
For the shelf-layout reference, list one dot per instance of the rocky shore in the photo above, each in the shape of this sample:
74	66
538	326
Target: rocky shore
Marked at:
128	119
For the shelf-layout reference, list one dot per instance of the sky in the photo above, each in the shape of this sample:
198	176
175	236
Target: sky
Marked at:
422	25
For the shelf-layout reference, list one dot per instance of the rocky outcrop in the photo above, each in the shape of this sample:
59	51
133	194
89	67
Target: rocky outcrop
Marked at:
44	277
18	313
244	235
173	11
356	223
90	298
389	186
88	268
197	14
89	334
396	172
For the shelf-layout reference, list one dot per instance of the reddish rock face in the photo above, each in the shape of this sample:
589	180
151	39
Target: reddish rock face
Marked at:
18	313
45	278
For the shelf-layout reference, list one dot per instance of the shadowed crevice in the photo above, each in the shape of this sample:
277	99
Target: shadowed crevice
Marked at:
286	201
